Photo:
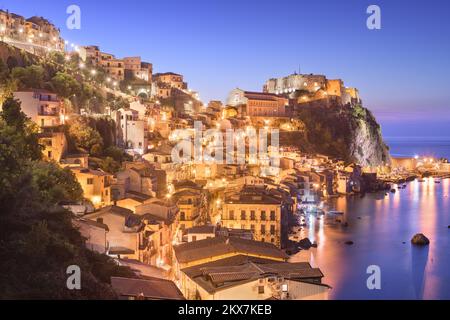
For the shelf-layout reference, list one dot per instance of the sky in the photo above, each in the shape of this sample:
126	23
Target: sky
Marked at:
400	70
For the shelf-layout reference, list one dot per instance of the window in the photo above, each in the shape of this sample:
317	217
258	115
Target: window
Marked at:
90	181
182	216
231	215
252	227
194	238
260	289
243	215
252	215
263	229
272	229
263	215
272	215
49	154
242	226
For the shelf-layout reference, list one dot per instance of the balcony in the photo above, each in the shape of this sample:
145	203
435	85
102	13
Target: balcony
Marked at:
48	113
48	98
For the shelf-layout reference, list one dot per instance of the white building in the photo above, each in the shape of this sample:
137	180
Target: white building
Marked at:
43	107
131	131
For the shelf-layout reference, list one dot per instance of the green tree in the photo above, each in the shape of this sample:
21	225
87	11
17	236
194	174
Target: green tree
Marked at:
110	165
85	137
116	153
29	77
25	140
65	85
57	184
37	238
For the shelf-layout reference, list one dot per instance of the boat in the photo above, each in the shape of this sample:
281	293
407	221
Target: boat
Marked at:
393	191
421	180
335	212
437	180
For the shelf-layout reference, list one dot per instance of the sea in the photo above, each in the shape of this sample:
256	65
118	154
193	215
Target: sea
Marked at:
381	226
438	147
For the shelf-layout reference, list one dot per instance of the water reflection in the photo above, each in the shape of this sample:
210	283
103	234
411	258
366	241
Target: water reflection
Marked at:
419	259
381	227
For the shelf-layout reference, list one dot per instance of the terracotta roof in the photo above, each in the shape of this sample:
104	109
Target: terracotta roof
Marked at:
155	289
138	196
218	246
131	220
111	210
201	229
120	250
93	223
92	172
224	273
237	260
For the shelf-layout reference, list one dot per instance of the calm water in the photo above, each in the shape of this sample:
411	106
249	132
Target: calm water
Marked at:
379	225
424	146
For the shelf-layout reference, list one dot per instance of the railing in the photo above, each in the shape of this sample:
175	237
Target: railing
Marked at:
48	113
49	99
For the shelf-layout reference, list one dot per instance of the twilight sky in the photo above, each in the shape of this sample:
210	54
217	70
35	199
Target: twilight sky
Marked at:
401	70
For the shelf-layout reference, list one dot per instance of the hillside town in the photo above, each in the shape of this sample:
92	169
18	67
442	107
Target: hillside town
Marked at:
191	229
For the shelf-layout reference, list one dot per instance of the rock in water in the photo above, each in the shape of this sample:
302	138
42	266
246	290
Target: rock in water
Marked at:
305	243
420	240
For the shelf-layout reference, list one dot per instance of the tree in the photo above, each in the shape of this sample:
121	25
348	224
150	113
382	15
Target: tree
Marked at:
26	139
29	77
37	239
13	115
4	71
110	165
65	85
7	89
57	184
85	137
117	154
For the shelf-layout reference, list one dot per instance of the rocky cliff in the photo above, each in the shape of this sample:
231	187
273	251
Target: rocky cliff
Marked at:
348	133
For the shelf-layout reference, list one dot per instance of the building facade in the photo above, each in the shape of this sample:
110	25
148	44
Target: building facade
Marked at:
255	211
131	131
36	34
258	104
45	108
